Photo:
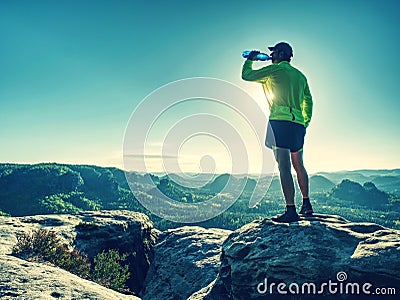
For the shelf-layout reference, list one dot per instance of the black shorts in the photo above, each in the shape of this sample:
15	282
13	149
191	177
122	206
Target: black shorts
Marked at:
285	134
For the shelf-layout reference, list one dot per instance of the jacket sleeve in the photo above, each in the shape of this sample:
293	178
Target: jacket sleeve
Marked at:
307	105
249	74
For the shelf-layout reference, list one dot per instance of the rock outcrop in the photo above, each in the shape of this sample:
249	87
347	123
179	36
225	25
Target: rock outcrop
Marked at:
315	250
315	255
24	280
91	233
186	259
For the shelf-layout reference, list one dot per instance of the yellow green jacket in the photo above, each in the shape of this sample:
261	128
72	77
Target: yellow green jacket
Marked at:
286	90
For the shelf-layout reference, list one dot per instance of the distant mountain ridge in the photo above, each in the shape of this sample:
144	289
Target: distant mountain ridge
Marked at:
386	180
220	181
49	188
319	183
366	194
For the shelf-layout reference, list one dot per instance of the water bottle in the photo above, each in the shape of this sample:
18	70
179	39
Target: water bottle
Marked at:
260	56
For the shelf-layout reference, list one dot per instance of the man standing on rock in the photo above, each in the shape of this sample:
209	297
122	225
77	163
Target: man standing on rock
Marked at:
290	104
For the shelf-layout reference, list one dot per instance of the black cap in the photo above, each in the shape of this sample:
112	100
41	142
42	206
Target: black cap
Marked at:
284	47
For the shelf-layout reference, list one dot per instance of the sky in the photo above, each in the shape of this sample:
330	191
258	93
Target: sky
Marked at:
73	73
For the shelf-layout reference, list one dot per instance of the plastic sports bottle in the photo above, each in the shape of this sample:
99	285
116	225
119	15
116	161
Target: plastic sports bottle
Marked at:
260	56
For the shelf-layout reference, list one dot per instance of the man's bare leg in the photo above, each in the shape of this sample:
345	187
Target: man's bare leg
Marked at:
302	179
282	157
302	176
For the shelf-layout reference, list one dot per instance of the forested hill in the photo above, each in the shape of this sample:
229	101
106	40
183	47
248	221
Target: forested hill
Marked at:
49	188
56	188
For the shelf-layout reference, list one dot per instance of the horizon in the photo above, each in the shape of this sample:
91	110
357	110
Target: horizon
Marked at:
192	173
75	73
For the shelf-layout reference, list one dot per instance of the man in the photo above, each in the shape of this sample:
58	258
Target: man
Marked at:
290	104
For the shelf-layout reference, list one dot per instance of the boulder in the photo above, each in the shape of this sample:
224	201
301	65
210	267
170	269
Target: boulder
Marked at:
186	259
20	279
92	232
129	232
314	251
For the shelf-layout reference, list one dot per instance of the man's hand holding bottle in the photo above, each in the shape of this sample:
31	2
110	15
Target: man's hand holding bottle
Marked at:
255	55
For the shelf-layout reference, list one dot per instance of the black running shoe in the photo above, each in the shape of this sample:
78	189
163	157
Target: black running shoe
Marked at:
287	217
306	209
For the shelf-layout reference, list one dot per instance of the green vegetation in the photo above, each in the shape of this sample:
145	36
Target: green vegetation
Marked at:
54	188
67	203
45	245
4	214
108	270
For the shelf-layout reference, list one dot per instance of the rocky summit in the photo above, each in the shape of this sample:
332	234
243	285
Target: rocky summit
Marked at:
322	255
314	251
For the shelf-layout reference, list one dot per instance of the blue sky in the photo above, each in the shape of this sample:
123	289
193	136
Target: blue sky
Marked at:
72	72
